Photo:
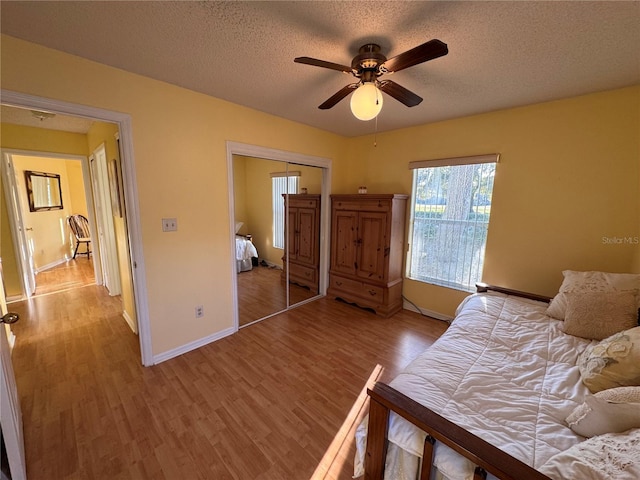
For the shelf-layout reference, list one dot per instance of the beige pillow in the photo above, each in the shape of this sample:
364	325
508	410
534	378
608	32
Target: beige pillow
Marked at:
610	411
598	315
592	282
614	362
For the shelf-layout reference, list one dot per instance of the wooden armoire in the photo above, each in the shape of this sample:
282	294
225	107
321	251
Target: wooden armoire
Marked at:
302	240
367	240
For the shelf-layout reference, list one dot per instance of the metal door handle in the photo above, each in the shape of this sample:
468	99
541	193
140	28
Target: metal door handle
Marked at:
10	318
29	229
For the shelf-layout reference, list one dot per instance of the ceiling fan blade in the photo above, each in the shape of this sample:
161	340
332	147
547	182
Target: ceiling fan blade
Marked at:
400	93
422	53
339	95
321	63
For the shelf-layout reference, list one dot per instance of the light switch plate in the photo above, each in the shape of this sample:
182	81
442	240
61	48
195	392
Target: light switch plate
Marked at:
169	224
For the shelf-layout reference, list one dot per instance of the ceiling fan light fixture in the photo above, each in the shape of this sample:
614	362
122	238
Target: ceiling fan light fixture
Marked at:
366	102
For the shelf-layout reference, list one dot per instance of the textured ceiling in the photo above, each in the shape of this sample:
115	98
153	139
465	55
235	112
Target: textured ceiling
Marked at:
501	54
21	116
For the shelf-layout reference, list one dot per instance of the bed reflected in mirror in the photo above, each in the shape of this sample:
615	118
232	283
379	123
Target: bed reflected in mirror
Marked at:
263	235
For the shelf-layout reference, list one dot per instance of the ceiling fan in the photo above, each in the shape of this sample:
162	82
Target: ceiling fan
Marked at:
369	65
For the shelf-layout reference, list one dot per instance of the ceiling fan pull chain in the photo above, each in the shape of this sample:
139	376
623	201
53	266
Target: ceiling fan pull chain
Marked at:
375	134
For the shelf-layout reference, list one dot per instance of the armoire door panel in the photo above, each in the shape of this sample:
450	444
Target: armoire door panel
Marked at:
291	246
372	240
306	222
345	238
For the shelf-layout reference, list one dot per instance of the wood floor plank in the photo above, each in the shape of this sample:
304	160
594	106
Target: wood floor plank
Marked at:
71	274
278	400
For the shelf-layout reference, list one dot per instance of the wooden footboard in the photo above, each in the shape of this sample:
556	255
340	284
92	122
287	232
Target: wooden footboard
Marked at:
385	399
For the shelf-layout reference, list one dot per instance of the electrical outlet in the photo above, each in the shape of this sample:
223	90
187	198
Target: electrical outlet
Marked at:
169	224
199	311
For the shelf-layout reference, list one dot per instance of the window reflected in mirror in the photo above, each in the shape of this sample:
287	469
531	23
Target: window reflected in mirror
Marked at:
43	190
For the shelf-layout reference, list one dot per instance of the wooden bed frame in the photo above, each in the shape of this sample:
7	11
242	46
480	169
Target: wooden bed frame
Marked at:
385	399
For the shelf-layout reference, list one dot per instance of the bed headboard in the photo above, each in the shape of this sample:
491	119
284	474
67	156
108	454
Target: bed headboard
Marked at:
485	287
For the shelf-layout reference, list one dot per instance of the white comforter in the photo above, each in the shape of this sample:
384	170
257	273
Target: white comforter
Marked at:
503	371
245	249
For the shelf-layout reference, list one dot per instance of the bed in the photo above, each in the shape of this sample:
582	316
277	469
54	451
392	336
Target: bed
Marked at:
493	395
245	253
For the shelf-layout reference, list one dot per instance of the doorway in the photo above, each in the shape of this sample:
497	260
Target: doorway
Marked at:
130	224
42	238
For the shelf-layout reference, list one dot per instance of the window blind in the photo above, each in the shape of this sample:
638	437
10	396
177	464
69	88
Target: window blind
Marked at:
287	182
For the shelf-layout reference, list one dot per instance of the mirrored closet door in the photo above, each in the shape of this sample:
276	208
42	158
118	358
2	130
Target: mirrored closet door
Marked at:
278	230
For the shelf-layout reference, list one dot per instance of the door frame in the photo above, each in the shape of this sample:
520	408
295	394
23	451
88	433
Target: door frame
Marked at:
248	150
134	227
17	224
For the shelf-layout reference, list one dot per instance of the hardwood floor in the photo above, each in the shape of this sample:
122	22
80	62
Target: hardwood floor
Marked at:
277	400
261	292
71	274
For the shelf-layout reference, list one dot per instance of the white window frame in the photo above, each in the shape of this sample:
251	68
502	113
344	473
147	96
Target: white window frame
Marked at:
281	183
466	268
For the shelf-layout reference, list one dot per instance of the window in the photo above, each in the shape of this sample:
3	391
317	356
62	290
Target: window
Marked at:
449	220
281	183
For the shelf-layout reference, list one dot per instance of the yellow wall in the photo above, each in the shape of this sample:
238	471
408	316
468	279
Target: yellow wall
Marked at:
568	176
47	232
76	187
180	156
42	140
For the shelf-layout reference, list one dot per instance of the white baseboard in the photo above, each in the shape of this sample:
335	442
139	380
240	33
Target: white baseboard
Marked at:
192	346
51	265
132	325
423	311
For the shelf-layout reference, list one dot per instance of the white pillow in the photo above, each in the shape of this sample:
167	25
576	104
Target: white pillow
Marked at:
610	411
611	456
592	282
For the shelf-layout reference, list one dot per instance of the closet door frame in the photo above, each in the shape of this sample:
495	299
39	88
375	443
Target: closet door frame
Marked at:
292	158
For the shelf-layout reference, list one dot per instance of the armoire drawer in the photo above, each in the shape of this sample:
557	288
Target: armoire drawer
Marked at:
357	288
302	272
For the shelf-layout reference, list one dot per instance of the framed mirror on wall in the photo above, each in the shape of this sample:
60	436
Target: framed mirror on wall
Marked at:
277	218
43	191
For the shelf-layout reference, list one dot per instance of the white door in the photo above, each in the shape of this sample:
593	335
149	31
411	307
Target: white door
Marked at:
23	247
104	219
10	414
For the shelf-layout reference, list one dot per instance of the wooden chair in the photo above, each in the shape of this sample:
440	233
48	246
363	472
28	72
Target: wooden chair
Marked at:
80	227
